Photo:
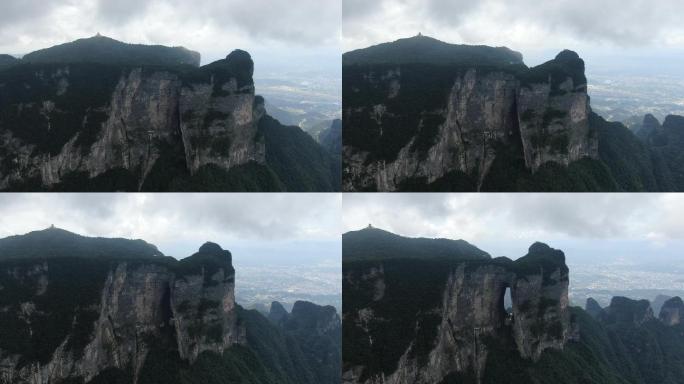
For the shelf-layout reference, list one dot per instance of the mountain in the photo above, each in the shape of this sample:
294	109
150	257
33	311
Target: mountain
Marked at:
376	244
658	302
58	243
101	115
117	311
442	320
424	49
331	140
318	330
422	319
423	115
7	61
104	50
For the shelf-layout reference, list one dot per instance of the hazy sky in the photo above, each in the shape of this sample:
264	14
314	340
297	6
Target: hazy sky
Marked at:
256	228
293	34
538	29
588	227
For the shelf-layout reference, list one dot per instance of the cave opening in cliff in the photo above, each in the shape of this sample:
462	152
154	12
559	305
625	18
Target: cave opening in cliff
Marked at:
506	303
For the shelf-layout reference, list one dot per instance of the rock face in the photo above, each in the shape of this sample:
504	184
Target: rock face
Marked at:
190	304
314	318
624	310
420	122
554	113
452	310
219	119
672	312
87	119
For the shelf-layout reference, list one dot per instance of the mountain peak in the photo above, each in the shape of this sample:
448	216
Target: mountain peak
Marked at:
625	310
539	247
371	243
210	247
54	242
421	49
672	312
106	50
567	55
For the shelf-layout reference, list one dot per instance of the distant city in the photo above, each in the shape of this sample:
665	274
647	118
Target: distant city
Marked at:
309	100
603	281
257	287
627	98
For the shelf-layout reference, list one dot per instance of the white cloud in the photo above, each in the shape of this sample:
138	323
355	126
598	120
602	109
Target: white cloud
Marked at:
213	27
513	217
170	219
519	24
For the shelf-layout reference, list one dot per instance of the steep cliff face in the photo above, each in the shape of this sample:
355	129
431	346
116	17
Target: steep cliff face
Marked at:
553	110
86	119
424	120
78	318
423	320
219	119
204	304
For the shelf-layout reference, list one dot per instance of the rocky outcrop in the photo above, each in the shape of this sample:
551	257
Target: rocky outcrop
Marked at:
672	312
455	334
313	318
219	119
624	310
419	123
278	315
554	113
57	123
593	308
190	303
204	305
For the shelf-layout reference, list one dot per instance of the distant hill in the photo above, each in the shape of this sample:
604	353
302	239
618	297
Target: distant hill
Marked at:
426	50
58	243
104	50
376	244
7	61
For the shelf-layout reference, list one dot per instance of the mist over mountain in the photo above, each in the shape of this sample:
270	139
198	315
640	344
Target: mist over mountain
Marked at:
118	311
101	115
424	115
423	319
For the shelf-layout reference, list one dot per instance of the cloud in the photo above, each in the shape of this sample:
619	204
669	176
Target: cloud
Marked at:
532	217
519	23
165	219
214	27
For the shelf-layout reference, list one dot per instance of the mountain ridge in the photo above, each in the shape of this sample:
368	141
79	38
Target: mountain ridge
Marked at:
428	321
132	318
105	50
425	127
126	125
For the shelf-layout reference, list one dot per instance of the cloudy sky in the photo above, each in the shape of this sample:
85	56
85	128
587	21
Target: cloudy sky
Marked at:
588	227
257	228
301	34
539	29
